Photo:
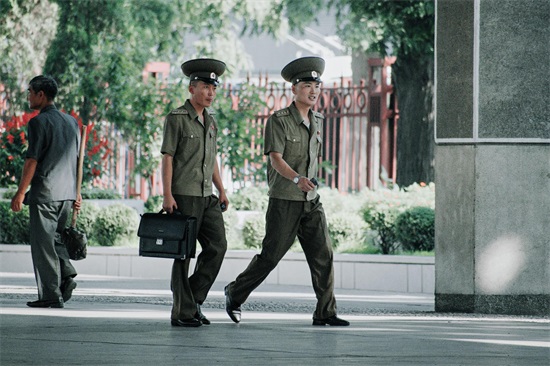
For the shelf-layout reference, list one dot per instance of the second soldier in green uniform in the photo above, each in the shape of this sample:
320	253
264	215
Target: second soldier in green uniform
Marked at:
293	140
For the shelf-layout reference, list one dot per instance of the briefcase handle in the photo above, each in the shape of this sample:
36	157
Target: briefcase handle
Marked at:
175	212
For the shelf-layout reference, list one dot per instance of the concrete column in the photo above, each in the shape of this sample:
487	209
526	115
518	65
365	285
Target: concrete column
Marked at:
492	156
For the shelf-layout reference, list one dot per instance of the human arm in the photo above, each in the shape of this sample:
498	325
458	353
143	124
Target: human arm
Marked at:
217	180
282	167
29	168
168	203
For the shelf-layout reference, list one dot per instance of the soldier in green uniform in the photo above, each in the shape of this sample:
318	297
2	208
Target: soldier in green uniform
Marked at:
189	168
293	140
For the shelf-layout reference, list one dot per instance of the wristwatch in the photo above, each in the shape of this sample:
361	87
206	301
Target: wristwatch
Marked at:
296	179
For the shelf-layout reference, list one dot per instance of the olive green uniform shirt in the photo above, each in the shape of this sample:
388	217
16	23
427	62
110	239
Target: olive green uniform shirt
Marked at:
300	146
193	148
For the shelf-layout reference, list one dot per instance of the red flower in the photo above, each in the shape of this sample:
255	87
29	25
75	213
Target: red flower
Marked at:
10	138
22	136
10	157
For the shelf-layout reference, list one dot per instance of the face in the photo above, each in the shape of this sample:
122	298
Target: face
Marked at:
307	92
202	93
35	99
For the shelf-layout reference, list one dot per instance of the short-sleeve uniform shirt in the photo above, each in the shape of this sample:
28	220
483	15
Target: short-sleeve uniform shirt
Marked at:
54	142
193	148
300	146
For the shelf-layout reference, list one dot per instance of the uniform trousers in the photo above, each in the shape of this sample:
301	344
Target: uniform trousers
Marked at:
284	221
191	290
49	255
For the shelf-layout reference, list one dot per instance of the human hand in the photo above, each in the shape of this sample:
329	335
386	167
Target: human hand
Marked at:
224	202
77	205
169	204
17	202
305	184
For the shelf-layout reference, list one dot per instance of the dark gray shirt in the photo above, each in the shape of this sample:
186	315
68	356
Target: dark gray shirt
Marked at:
53	142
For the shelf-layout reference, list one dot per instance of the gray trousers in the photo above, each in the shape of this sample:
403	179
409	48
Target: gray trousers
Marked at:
284	221
49	255
191	290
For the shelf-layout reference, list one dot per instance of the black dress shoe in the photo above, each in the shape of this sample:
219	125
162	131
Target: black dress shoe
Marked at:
333	320
46	304
200	316
186	322
67	288
232	309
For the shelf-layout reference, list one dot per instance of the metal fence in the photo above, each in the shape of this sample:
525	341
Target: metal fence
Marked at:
356	152
359	147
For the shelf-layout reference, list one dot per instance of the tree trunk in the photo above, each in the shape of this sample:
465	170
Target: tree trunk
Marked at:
414	83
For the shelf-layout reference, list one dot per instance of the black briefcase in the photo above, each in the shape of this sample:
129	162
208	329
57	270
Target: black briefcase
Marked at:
167	235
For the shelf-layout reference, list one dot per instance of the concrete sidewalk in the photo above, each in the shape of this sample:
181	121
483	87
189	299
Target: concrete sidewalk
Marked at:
125	321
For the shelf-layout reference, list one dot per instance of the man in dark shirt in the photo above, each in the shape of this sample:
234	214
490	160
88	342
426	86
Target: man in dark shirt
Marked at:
50	169
293	140
189	169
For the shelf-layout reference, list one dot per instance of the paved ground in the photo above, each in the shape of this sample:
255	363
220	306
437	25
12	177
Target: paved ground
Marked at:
125	321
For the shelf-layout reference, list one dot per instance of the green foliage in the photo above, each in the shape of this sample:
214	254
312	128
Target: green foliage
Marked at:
383	224
382	207
26	29
400	28
254	232
115	224
9	192
250	198
14	226
239	130
232	233
98	194
415	229
87	217
347	231
154	203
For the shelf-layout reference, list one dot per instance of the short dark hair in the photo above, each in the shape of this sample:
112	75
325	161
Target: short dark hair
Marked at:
45	84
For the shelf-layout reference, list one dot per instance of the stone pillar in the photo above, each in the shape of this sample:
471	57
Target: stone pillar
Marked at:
492	159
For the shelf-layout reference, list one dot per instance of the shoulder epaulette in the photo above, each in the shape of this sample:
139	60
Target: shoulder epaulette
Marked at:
179	111
211	111
318	115
282	112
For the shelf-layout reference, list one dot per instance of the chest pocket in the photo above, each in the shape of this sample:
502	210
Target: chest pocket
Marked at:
293	145
191	142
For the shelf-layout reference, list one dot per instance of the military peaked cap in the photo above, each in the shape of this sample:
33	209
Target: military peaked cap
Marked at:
204	69
304	69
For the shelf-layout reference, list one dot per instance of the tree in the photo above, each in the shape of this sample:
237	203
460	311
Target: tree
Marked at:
27	28
401	28
404	29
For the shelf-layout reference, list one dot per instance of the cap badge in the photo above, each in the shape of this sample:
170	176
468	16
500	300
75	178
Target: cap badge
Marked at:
314	74
213	76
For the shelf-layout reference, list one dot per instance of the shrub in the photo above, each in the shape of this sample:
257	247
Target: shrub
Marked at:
86	218
232	233
154	203
250	198
415	230
254	231
99	194
383	224
116	225
346	230
9	192
14	226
